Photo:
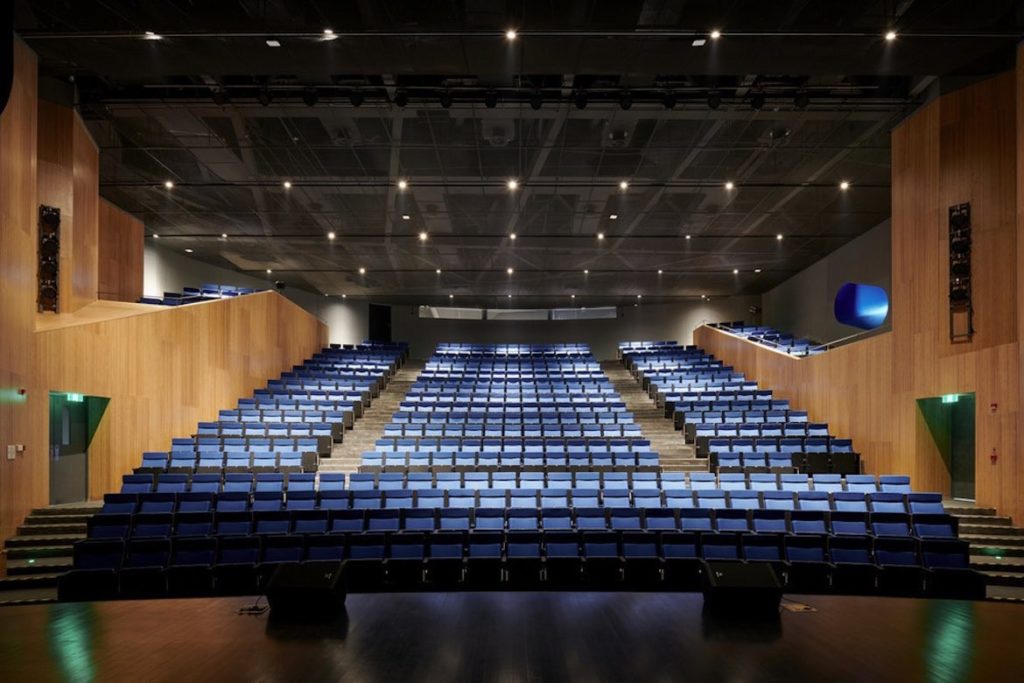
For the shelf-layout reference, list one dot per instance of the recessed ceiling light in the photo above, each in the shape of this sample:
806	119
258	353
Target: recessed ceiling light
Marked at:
513	184
405	216
511	34
513	237
613	217
451	296
329	34
890	36
600	235
331	235
735	271
153	36
169	184
698	42
757	270
269	271
156	236
688	236
423	237
660	271
509	271
639	296
223	235
438	271
623	185
362	271
586	272
845	185
326	294
287	184
273	43
188	251
572	296
402	184
779	237
729	185
509	296
715	34
344	296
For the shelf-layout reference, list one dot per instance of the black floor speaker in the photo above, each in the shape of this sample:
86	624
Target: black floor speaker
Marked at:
742	588
307	590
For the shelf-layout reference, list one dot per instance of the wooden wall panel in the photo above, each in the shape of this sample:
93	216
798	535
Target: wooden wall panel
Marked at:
86	185
961	147
23	481
120	250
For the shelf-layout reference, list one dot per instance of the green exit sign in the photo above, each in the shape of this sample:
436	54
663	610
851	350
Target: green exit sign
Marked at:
79	398
950	398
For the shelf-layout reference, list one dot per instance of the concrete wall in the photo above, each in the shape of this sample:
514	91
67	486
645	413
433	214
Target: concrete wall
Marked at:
164	270
654	321
803	303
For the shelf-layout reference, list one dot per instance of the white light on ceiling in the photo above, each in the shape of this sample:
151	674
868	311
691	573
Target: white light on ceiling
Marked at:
586	272
513	237
287	184
660	271
715	34
511	34
613	217
699	42
509	271
509	296
639	296
150	35
845	185
729	185
273	43
513	184
624	185
169	184
223	235
451	296
688	236
890	36
362	271
269	271
438	271
735	271
757	270
329	34
600	235
156	236
331	235
779	237
423	237
402	184
572	296
188	251
405	216
344	296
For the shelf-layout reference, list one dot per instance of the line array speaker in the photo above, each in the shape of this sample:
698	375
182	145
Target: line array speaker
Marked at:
49	258
961	305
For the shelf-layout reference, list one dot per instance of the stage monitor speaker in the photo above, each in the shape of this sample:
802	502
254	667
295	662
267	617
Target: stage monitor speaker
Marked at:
741	588
306	591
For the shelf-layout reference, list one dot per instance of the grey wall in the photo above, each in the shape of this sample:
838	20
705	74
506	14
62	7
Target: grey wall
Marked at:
655	321
803	303
164	270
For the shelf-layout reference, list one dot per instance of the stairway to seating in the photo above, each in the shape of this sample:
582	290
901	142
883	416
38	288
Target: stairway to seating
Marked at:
997	548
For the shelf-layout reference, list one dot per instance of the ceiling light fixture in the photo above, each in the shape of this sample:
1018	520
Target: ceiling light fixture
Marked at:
586	272
572	296
344	296
509	296
890	35
152	36
329	34
639	296
600	235
779	237
660	271
699	42
715	34
513	236
423	237
406	216
156	236
402	184
613	217
438	271
735	271
844	185
331	235
451	296
757	270
362	271
511	34
273	43
169	184
188	251
509	271
623	185
688	236
729	185
269	271
513	184
287	184
223	235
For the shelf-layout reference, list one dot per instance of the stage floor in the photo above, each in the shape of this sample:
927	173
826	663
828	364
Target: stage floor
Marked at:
515	637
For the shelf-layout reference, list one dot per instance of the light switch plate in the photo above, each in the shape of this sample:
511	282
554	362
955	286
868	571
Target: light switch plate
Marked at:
12	451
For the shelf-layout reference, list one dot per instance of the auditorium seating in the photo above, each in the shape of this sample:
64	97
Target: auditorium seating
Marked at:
192	295
503	509
772	338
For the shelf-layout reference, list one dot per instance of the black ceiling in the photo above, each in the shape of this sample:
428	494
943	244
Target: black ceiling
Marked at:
215	109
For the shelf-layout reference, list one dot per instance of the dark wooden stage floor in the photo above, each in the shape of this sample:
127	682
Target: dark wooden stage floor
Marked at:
514	637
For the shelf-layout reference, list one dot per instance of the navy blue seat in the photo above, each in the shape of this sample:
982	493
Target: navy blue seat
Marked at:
190	571
523	558
94	577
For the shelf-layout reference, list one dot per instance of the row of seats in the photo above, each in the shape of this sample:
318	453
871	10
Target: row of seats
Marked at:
492	560
472	459
191	295
232	516
206	461
772	338
515	445
166	497
515	431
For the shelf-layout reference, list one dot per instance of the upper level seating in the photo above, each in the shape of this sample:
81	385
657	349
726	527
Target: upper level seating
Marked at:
772	338
518	505
191	295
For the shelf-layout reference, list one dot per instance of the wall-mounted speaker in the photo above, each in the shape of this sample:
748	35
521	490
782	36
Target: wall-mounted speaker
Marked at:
49	259
961	305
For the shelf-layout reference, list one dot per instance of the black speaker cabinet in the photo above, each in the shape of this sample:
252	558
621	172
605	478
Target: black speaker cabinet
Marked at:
49	259
741	587
961	305
307	590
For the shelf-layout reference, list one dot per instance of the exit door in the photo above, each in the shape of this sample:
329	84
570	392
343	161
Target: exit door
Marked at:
73	421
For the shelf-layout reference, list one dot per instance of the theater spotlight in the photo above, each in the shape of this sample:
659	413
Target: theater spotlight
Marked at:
801	100
445	98
491	99
581	99
356	98
310	97
669	100
401	98
264	97
221	97
626	100
757	101
714	100
536	100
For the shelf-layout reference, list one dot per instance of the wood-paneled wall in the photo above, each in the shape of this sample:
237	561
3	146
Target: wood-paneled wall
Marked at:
120	239
963	147
164	369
